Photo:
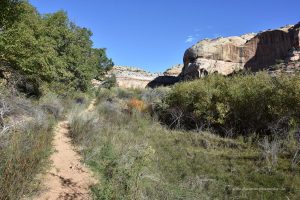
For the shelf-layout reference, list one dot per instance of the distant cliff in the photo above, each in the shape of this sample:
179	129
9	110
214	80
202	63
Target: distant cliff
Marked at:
169	77
250	51
174	70
132	77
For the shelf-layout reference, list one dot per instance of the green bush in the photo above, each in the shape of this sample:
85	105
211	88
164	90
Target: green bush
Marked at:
242	104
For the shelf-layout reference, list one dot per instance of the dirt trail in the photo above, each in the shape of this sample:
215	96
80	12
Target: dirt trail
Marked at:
68	178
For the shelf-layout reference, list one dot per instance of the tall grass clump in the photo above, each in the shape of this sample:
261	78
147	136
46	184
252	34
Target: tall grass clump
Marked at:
23	152
236	105
52	104
117	93
82	124
156	95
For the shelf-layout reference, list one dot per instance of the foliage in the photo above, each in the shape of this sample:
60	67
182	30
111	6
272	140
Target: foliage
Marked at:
9	12
110	82
103	62
52	50
241	104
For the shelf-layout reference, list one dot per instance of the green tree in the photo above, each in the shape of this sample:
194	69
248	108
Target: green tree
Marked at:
110	82
101	61
9	12
19	44
51	50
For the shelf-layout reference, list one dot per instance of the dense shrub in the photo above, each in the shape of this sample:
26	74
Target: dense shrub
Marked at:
239	104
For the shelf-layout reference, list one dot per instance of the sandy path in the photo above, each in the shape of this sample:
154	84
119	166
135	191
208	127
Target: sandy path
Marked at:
68	178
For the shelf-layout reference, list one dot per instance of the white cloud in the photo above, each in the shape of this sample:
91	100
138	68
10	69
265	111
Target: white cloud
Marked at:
189	39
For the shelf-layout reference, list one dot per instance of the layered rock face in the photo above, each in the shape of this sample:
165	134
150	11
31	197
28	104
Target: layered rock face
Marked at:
174	70
170	77
252	51
132	77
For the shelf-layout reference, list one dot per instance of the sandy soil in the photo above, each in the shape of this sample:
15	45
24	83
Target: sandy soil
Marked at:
68	178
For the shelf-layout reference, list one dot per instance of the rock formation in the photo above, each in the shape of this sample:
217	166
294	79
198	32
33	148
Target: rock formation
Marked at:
163	81
174	70
170	77
252	51
132	77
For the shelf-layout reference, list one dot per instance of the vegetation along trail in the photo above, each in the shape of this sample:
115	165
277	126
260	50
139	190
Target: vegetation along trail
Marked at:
68	178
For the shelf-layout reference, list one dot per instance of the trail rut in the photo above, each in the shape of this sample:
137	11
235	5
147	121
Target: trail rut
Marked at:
68	178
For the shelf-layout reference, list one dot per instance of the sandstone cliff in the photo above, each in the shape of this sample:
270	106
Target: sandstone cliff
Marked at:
174	70
132	77
252	51
170	77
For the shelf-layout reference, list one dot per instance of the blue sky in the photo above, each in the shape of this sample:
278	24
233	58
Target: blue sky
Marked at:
153	34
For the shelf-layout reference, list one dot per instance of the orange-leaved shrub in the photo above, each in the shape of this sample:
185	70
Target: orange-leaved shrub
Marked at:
136	104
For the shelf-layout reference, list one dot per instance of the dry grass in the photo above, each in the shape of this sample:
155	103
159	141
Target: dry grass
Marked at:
23	156
137	158
25	144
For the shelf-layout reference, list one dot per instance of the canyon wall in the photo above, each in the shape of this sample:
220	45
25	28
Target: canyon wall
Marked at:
250	51
132	77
